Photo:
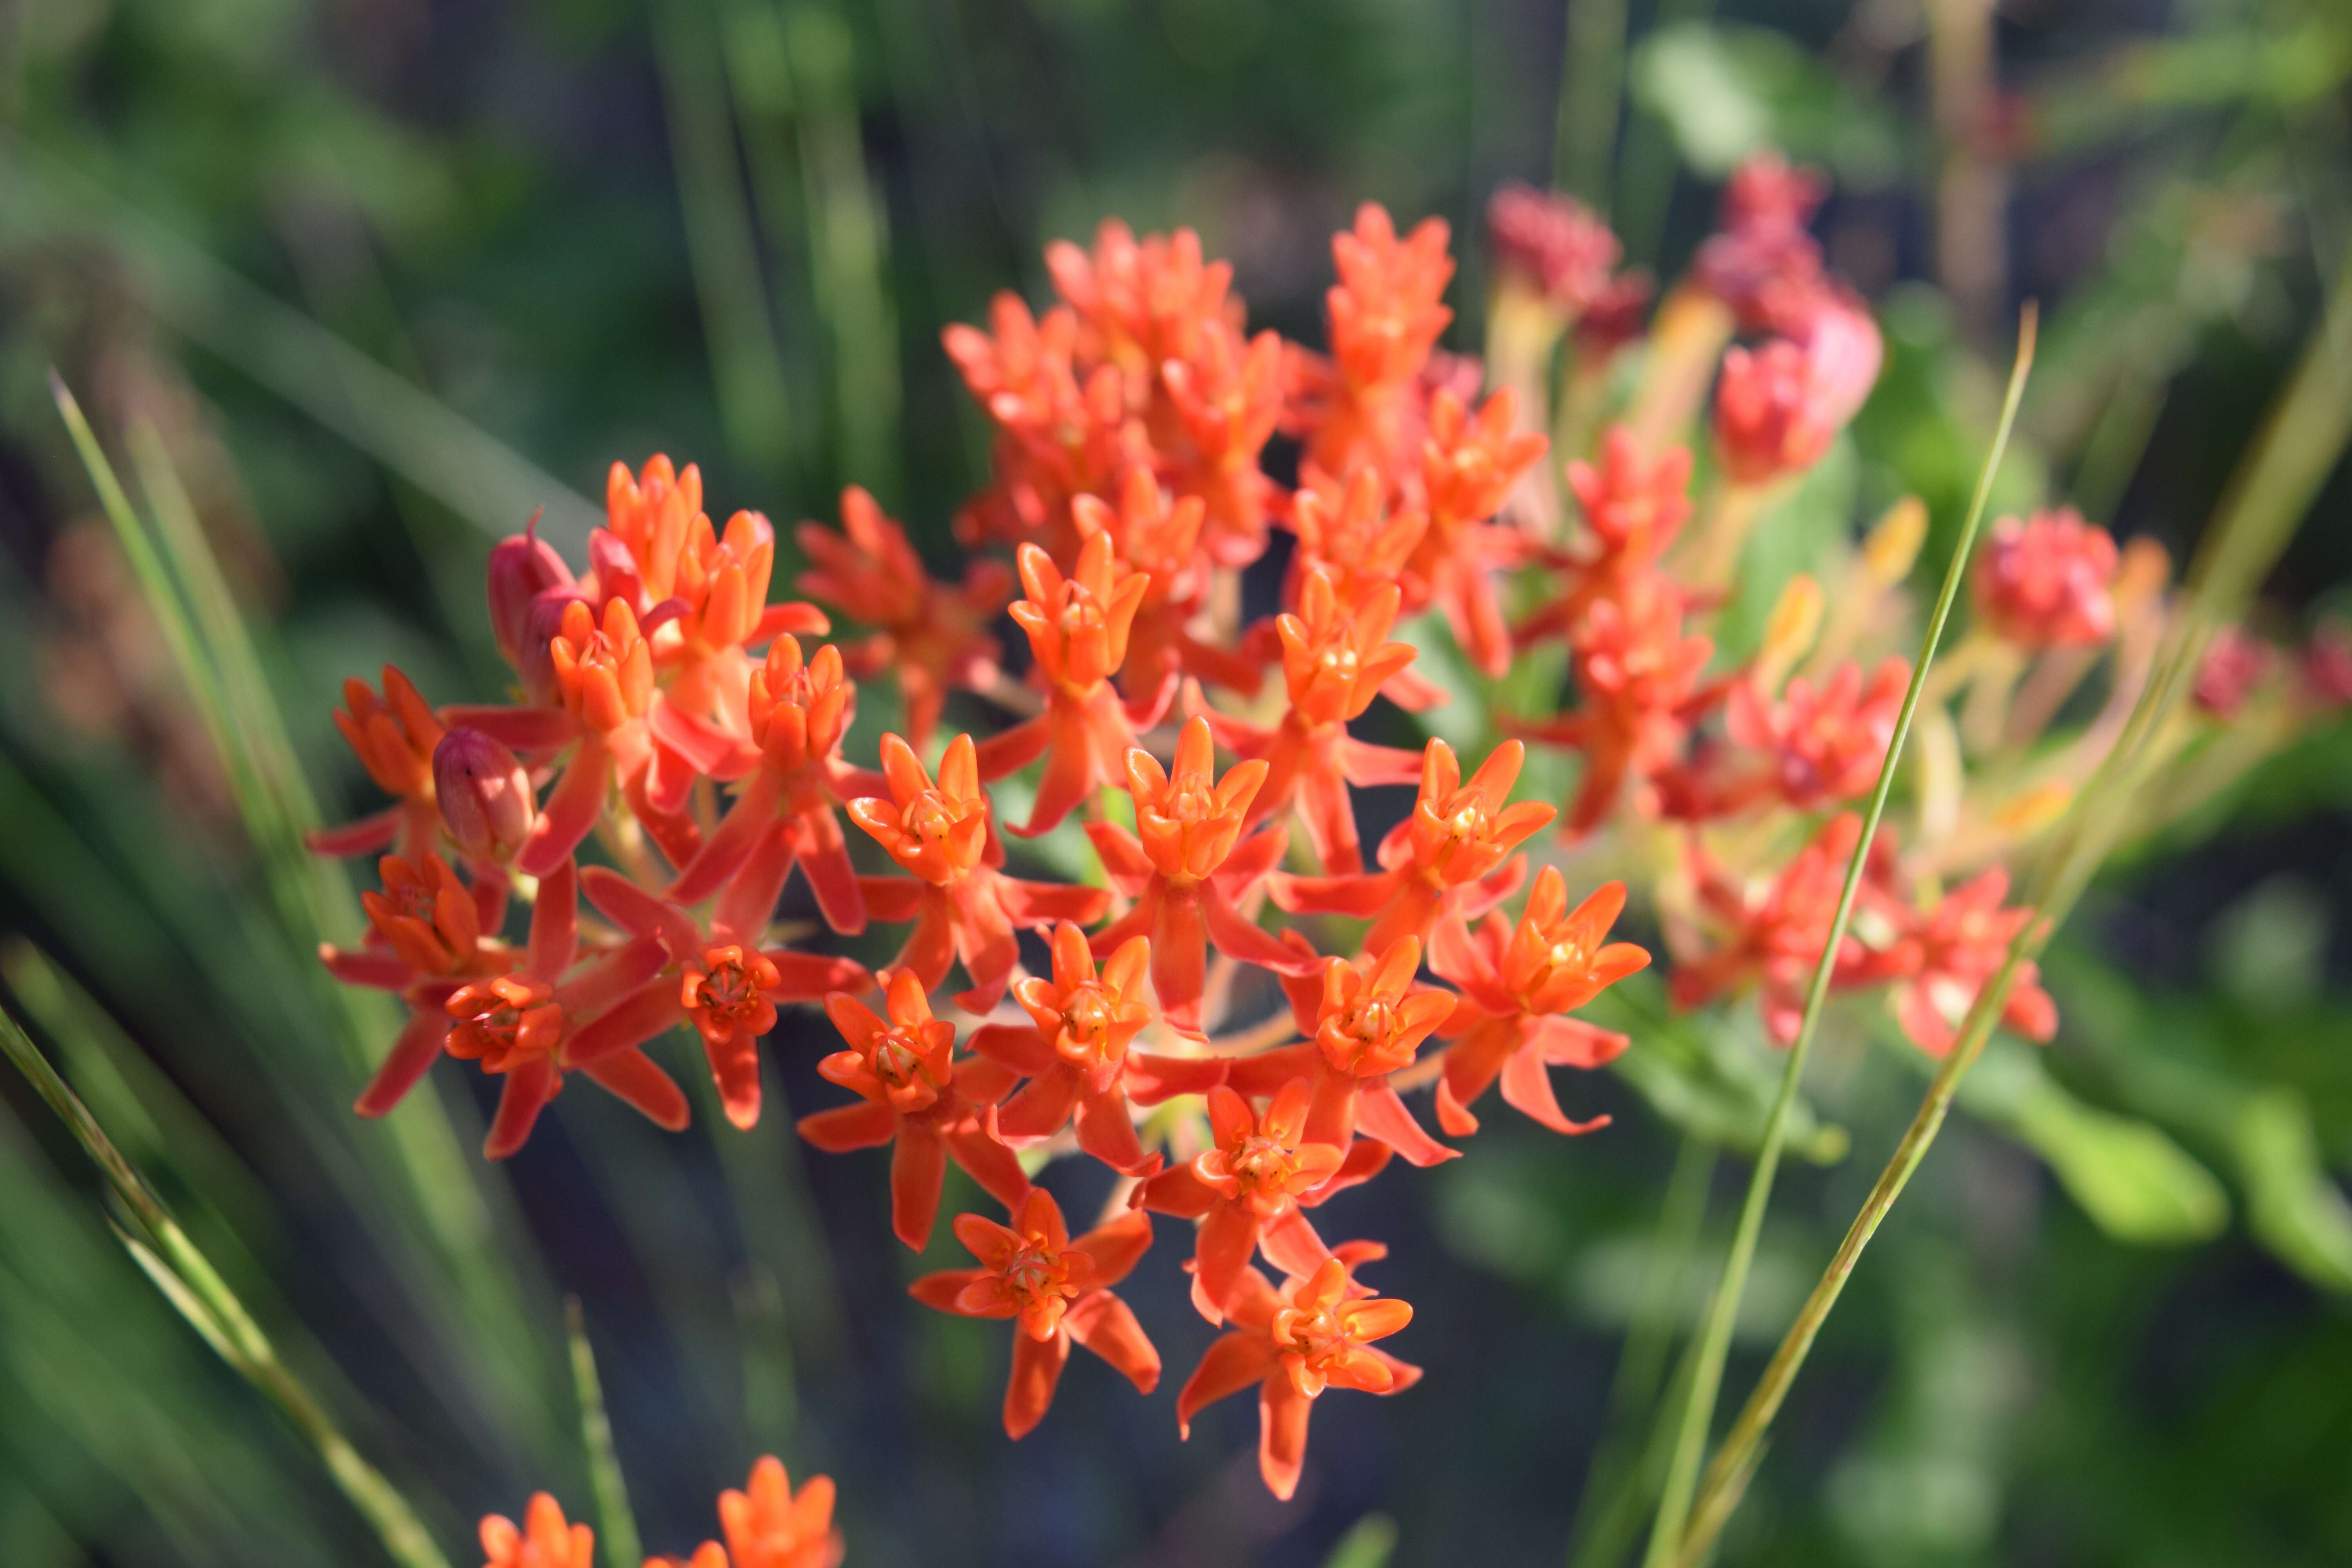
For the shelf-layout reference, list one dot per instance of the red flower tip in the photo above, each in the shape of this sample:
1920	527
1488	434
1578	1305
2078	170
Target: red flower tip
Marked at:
2235	663
1385	310
904	1061
605	671
522	566
545	1541
1763	264
1372	1018
2047	581
939	833
1633	507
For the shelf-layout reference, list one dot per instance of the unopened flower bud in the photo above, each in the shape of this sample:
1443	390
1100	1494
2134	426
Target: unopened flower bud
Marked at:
522	566
485	799
541	622
1892	542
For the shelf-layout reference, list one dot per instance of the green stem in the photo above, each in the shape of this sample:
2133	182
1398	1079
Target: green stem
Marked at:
621	1543
1591	87
189	1281
1715	1340
2300	444
1602	1534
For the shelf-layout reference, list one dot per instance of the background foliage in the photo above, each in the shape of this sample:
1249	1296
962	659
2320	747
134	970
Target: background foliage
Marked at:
375	278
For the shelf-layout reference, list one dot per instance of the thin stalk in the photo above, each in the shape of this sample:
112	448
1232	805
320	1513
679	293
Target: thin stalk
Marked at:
383	413
621	1543
191	1284
2300	444
1602	1534
745	363
1715	1340
1592	88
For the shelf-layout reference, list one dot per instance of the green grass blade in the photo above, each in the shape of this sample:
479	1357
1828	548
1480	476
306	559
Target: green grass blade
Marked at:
2303	438
383	415
216	1314
745	361
1715	1337
619	1525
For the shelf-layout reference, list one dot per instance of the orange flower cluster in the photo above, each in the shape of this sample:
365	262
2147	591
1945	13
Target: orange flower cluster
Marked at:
673	726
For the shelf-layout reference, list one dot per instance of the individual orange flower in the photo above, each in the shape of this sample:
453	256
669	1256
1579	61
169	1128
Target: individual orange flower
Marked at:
1244	1190
1076	1053
545	1541
2048	582
1517	982
547	1016
1946	955
1824	745
1335	659
1633	507
1144	301
913	1093
962	907
1346	527
394	737
1364	1020
1469	465
1162	537
1057	1290
933	637
783	815
1293	1343
1186	865
768	1525
1776	929
726	988
1385	317
1639	677
1076	627
1449	858
424	940
1227	397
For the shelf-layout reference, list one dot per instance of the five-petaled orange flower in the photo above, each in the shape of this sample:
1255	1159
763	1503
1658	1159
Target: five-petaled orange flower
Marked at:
1057	1290
913	1093
394	737
1244	1191
1450	859
962	907
1078	629
1293	1342
1335	659
545	1541
768	1525
424	941
1186	865
1076	1053
1517	985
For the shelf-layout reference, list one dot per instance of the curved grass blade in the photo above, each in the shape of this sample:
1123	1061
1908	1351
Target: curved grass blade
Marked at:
621	1543
200	1294
1715	1337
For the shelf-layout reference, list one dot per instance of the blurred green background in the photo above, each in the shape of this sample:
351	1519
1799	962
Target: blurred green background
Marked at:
376	277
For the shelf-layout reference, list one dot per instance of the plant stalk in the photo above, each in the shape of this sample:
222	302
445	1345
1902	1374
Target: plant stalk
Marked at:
1715	1340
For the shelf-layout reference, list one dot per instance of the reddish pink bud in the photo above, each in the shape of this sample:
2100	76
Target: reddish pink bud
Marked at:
522	566
486	797
1554	242
2235	663
2327	665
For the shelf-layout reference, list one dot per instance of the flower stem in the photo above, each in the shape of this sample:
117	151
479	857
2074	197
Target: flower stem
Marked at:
622	1544
1715	1337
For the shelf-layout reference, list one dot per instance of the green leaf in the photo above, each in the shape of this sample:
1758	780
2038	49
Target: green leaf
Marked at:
1724	91
1368	1543
2129	1175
